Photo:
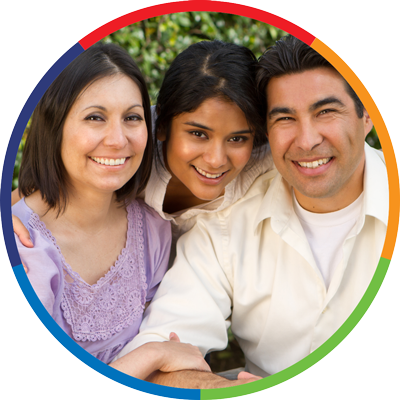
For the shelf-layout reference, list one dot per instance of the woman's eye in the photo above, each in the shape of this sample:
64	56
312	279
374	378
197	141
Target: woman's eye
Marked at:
284	119
134	118
93	118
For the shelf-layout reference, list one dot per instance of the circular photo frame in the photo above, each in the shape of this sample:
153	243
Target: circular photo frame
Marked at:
219	7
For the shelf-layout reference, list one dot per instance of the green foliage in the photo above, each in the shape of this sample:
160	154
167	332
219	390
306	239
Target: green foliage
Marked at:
155	42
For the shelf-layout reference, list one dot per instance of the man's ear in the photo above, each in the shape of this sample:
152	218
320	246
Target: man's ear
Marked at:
367	123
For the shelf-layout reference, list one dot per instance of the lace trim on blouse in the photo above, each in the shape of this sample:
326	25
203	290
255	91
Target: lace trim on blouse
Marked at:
97	312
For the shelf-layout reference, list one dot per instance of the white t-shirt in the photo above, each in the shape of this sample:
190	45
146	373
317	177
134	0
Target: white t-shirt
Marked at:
326	233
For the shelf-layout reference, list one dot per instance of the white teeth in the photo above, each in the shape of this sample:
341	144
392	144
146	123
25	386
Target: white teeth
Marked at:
109	161
206	174
314	164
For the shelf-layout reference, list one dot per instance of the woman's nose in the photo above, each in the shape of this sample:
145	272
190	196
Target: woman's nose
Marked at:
115	136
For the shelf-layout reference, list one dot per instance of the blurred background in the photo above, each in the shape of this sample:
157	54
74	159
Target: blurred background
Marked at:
153	44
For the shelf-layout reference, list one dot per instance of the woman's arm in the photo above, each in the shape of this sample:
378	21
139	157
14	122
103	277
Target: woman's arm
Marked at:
161	356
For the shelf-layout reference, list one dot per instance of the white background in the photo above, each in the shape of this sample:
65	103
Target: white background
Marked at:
34	34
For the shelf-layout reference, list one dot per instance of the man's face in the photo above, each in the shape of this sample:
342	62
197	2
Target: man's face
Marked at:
316	137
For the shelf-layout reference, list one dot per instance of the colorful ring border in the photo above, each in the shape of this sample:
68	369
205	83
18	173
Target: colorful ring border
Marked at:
209	6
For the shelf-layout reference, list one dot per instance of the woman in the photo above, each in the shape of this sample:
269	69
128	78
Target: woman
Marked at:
98	253
211	138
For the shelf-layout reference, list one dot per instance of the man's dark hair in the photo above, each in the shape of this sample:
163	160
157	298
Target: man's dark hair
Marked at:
290	55
42	167
211	69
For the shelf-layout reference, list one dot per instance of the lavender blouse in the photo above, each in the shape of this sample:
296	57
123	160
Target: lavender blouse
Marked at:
103	317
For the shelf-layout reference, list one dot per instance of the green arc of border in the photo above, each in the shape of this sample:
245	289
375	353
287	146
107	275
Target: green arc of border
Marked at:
316	355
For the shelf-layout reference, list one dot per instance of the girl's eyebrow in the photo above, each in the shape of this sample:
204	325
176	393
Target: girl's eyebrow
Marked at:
201	126
198	125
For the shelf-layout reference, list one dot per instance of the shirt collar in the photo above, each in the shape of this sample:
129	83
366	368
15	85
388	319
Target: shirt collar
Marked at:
277	203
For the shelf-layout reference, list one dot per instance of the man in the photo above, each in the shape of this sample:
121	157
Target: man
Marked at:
288	263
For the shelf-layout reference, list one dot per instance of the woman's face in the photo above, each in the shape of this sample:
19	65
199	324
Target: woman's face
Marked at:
104	135
208	147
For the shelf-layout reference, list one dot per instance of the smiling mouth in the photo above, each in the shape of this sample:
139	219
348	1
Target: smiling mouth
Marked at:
314	164
207	174
109	161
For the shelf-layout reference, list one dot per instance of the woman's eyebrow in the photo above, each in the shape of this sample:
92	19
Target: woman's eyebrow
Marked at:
105	109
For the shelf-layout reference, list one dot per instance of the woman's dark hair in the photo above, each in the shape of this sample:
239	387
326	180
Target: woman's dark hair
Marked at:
42	167
290	55
211	69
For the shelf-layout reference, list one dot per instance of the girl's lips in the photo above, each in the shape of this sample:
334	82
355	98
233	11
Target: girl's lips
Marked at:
207	180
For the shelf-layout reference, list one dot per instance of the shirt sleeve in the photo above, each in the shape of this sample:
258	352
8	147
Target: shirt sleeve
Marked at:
44	270
194	298
158	238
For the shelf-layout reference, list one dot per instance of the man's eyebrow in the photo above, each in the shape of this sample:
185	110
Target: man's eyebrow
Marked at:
280	110
326	101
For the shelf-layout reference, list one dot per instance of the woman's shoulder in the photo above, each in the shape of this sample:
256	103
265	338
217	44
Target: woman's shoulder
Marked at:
139	209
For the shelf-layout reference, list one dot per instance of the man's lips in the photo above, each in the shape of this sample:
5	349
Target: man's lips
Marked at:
314	163
314	167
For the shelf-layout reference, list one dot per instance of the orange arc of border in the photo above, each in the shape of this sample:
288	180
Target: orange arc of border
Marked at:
386	143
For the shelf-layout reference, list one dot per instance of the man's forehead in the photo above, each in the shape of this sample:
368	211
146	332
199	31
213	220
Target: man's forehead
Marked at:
302	89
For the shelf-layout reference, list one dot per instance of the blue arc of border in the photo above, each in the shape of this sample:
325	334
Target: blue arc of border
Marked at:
37	306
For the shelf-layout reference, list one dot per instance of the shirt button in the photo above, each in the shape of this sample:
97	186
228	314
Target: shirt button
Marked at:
323	312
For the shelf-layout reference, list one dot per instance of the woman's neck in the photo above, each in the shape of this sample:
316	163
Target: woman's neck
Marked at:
89	212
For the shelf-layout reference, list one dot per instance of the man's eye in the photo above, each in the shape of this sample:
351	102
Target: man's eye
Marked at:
284	119
327	111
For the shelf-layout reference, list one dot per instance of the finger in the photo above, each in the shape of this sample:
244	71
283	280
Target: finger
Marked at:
25	268
173	337
21	232
247	375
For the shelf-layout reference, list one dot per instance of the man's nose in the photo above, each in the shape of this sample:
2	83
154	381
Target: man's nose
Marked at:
308	136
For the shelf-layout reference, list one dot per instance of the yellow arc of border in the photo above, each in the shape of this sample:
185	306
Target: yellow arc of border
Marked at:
384	138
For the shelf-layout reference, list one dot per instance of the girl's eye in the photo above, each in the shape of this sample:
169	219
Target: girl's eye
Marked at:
198	134
238	139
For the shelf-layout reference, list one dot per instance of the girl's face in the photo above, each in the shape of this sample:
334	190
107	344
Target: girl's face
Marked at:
104	135
208	147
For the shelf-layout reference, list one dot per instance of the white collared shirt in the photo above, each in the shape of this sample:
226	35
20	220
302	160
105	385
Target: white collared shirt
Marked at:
251	266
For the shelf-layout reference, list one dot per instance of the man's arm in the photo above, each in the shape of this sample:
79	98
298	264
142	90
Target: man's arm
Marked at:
198	379
194	297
